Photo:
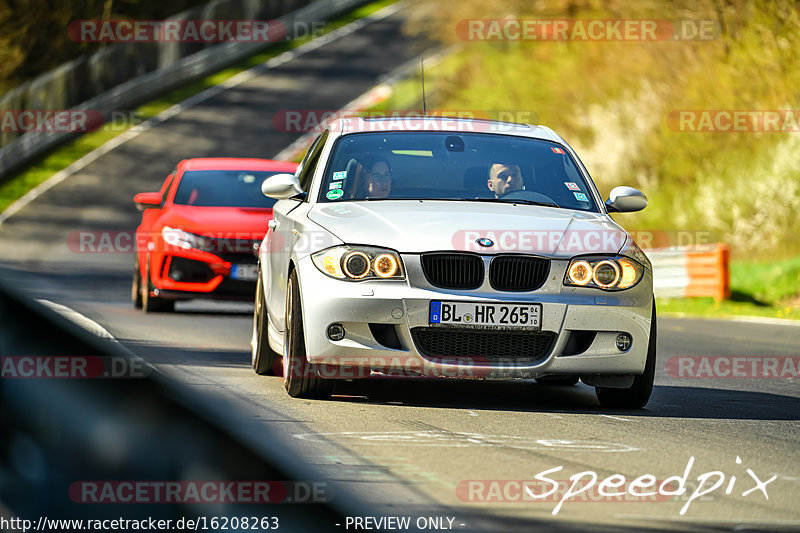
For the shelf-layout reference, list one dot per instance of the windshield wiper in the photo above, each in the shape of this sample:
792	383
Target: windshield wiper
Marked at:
515	201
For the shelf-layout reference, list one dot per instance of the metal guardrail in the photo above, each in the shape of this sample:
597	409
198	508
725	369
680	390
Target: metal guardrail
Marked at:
692	271
60	435
148	86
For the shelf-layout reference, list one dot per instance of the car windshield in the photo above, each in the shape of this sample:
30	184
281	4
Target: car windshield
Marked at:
454	166
223	188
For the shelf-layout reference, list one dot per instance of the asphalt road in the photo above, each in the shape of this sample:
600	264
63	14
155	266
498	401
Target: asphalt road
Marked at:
420	448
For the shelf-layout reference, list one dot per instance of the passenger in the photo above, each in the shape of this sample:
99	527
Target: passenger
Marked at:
378	183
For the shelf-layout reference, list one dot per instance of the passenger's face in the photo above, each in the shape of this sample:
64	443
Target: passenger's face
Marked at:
380	180
504	179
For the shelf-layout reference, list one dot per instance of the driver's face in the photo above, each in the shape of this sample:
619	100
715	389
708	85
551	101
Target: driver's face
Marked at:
504	179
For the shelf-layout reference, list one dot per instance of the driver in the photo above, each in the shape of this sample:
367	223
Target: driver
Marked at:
504	179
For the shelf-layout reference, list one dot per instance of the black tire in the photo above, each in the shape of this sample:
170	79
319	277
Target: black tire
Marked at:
266	362
299	376
136	284
566	381
153	304
637	395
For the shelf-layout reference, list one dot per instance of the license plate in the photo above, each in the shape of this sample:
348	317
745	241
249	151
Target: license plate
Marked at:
244	272
510	315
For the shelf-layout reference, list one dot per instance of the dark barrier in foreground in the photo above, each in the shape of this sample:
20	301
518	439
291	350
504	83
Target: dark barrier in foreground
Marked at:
134	444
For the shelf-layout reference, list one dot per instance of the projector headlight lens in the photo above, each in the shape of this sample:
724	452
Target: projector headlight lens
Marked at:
607	273
355	263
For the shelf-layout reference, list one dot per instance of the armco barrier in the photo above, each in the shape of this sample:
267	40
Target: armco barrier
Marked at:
55	433
131	93
692	271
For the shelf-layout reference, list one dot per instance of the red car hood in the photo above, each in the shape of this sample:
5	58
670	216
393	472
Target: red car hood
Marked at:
219	221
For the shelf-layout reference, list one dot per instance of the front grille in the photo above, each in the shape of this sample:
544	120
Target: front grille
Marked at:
491	345
240	259
453	270
518	272
189	270
224	245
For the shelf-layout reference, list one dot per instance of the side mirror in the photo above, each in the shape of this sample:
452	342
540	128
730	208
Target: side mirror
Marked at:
147	200
626	200
281	186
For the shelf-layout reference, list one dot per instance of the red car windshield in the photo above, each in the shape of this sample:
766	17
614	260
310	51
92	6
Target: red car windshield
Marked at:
223	188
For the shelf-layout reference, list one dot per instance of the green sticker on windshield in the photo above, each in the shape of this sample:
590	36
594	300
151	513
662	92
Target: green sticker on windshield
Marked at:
335	194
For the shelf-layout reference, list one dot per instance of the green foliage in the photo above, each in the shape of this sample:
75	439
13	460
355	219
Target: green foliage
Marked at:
34	38
612	101
15	186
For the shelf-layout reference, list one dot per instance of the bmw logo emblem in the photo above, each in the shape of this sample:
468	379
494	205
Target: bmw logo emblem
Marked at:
486	243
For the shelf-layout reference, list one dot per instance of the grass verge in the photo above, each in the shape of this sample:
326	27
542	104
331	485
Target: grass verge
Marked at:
758	288
39	171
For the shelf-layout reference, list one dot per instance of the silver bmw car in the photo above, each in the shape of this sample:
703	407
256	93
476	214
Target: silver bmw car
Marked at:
444	247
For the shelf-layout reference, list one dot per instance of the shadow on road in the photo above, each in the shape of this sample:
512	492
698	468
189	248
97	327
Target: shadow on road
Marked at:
666	402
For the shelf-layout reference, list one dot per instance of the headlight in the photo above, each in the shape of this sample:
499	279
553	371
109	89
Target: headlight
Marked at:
359	262
184	239
177	237
608	273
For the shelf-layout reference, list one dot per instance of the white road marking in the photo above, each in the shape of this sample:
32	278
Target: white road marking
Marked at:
92	327
463	439
192	101
735	526
617	418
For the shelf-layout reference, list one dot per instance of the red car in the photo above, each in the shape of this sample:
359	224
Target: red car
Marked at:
199	232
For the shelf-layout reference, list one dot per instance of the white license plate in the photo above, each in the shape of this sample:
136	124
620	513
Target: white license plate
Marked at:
244	272
510	315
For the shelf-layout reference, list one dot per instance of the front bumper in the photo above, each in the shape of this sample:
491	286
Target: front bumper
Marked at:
186	274
381	318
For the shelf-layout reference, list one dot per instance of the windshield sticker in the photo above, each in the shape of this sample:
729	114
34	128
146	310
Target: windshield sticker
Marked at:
557	150
342	174
335	185
581	197
571	185
335	194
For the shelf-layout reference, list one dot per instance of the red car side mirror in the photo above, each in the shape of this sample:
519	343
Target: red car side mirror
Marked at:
147	200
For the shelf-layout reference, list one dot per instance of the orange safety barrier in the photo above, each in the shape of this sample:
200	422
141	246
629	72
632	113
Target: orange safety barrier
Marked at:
708	271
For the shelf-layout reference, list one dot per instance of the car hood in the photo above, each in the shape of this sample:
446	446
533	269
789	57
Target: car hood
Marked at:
219	221
413	226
